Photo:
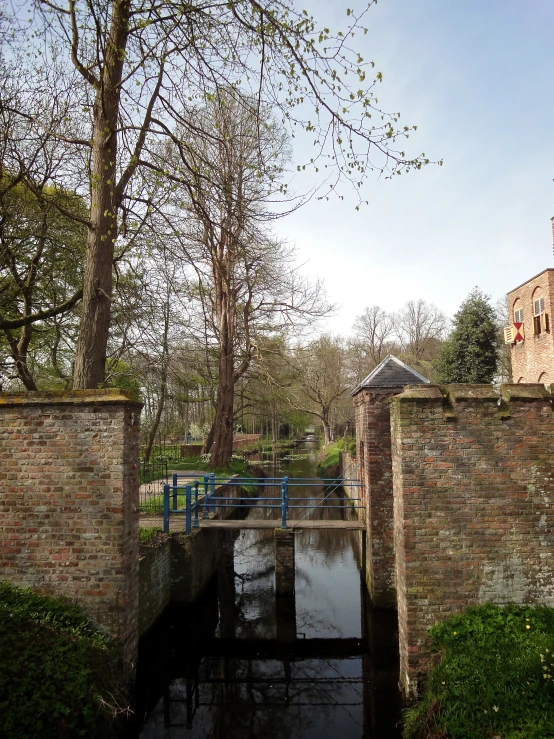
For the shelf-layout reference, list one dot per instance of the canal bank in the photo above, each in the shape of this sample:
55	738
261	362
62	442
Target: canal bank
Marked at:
246	661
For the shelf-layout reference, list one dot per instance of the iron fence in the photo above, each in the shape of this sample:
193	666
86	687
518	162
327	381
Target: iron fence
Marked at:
153	477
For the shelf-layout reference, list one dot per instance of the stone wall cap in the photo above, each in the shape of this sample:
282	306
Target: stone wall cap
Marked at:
420	392
466	391
107	396
524	391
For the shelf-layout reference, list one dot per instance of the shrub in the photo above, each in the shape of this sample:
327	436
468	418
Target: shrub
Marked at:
59	676
495	678
352	448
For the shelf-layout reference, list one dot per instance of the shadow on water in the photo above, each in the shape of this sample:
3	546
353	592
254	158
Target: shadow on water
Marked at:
246	663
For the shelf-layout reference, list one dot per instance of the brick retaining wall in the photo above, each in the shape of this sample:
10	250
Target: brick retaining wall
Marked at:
473	505
69	502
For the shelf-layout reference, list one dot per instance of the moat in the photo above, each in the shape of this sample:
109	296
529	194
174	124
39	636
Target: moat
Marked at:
242	663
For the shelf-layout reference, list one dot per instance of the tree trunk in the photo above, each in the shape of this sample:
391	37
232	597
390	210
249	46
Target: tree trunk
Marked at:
155	425
90	355
19	354
223	435
163	383
327	432
206	449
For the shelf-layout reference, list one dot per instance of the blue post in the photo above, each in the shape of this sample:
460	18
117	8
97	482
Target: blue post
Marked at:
174	492
166	509
284	501
188	496
212	494
195	524
205	507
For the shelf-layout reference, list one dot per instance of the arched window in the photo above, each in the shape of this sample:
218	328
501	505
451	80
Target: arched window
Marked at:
521	379
544	379
541	323
518	311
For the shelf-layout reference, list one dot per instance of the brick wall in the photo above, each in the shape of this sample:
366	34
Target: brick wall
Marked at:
533	358
154	585
373	452
69	502
473	505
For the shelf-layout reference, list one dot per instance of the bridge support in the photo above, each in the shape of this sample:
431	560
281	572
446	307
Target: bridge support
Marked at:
226	584
285	598
284	562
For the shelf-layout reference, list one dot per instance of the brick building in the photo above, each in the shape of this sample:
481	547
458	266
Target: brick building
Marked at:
532	341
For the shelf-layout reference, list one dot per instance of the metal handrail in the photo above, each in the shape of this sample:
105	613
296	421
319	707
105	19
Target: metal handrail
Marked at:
339	484
209	501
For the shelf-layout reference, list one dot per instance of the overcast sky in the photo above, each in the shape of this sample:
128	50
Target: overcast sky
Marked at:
477	79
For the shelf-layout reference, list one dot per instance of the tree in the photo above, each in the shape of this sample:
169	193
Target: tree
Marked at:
471	352
504	367
374	329
321	380
420	327
131	68
245	283
41	253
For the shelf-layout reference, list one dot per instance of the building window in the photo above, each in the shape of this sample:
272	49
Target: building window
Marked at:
541	323
538	306
518	315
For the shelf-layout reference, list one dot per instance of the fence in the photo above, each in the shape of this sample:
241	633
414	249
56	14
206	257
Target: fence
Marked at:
198	499
153	476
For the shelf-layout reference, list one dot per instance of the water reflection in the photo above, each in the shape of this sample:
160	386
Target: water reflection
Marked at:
248	663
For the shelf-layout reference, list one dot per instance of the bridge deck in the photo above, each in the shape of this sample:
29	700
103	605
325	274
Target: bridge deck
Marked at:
177	523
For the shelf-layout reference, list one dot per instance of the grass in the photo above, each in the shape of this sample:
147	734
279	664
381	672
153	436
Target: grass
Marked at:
329	465
495	679
238	466
147	534
59	676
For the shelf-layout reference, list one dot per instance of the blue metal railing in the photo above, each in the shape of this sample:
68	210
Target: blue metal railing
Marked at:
199	496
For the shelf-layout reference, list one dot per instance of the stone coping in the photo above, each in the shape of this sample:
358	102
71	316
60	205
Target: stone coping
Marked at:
420	392
524	391
460	392
108	396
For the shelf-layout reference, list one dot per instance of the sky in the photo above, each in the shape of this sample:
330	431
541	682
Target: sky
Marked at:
477	79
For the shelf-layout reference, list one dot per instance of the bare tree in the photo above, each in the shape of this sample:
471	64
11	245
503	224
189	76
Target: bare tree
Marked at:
504	367
420	328
246	284
374	329
131	67
321	380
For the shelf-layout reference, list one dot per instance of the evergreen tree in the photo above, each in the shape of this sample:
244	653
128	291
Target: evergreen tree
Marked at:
471	352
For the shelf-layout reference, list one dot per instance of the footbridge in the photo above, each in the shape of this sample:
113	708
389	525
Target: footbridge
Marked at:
221	502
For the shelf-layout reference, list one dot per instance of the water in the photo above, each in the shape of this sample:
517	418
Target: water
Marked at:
245	664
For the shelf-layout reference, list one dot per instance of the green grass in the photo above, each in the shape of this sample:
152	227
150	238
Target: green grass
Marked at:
154	504
495	678
329	465
59	676
146	534
237	466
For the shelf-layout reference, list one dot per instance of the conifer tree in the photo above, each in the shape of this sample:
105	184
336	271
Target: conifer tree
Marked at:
471	352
